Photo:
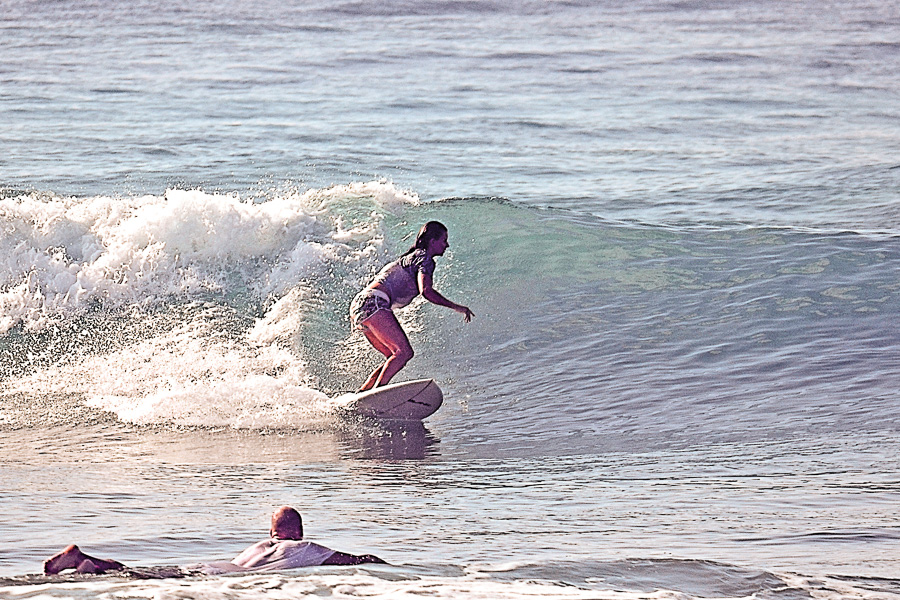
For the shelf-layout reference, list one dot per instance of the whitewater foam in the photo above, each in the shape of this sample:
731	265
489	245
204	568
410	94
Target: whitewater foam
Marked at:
200	303
67	255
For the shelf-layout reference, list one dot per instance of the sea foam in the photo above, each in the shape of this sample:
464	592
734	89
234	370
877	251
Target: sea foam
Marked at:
63	256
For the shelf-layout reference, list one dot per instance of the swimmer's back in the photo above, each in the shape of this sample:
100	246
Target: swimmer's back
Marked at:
274	554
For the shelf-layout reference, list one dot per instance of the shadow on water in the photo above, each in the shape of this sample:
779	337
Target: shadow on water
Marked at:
388	440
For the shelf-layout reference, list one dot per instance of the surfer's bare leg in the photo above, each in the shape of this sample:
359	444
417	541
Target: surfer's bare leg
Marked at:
73	558
387	336
376	343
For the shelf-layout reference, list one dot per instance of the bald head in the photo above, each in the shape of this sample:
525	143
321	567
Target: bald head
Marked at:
286	524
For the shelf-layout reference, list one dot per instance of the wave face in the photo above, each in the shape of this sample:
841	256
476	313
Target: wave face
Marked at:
211	310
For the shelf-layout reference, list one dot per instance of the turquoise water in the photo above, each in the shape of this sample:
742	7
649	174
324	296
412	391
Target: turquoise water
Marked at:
676	224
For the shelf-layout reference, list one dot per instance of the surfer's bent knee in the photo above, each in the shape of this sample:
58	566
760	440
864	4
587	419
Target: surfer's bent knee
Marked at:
404	354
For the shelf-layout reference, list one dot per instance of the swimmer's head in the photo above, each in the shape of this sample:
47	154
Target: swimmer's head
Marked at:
286	524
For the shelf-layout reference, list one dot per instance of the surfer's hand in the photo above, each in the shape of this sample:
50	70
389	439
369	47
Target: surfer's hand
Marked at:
467	314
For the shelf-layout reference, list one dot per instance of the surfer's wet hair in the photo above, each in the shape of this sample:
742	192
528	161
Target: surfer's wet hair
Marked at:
431	230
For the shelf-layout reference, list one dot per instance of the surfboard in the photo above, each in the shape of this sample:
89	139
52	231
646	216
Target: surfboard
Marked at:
406	401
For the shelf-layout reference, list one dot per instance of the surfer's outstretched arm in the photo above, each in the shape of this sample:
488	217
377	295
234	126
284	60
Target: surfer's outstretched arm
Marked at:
426	287
342	558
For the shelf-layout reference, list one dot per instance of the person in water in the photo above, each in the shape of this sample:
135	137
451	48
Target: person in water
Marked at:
285	549
395	286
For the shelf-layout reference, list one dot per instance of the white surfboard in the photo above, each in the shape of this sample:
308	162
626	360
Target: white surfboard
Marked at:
406	401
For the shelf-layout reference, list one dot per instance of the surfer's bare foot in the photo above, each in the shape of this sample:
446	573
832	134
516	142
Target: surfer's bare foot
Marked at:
73	558
70	558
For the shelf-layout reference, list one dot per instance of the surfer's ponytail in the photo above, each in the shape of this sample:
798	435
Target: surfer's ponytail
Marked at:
431	230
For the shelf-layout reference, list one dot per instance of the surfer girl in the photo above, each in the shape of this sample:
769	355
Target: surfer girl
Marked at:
398	283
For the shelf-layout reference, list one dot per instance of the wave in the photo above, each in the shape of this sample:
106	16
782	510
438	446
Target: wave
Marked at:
210	310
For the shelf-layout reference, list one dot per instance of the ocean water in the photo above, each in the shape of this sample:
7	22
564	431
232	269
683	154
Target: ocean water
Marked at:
677	223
